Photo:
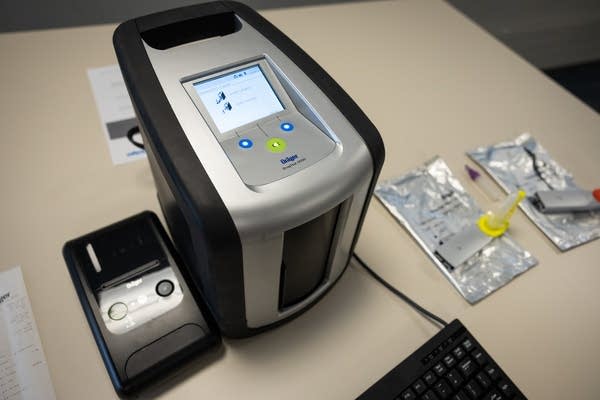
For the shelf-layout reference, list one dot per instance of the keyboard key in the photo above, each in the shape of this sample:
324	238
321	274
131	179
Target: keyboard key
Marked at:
419	386
494	395
429	395
459	353
483	380
449	360
460	396
473	389
443	389
479	357
439	369
468	345
408	394
506	388
454	378
492	371
467	367
430	378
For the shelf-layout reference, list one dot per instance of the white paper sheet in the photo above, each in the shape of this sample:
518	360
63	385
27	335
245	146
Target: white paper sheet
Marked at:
116	112
24	373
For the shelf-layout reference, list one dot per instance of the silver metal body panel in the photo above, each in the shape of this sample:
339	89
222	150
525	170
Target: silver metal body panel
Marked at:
263	213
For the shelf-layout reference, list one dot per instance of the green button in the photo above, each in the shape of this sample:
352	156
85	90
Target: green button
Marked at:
276	145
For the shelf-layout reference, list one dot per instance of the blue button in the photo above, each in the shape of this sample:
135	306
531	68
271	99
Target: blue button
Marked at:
245	143
287	126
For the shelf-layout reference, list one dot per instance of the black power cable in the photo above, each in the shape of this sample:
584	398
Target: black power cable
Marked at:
398	293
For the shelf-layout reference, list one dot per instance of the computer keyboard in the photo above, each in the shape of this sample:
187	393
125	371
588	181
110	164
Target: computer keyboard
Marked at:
451	365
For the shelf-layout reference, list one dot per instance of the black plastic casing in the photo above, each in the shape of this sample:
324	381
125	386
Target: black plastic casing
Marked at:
150	352
198	220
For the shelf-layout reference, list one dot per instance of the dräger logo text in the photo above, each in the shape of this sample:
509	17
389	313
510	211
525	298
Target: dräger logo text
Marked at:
134	283
289	159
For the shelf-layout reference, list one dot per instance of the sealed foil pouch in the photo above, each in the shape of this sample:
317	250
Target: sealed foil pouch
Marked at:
430	203
524	163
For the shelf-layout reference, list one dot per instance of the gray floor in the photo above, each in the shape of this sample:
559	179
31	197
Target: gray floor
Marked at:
562	38
548	33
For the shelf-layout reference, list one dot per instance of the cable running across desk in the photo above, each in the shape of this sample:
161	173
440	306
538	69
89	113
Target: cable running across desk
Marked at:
401	295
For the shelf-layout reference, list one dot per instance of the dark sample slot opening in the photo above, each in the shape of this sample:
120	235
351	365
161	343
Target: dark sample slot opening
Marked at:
306	257
191	30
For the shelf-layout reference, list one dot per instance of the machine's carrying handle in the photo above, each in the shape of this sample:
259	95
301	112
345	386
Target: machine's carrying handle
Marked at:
187	24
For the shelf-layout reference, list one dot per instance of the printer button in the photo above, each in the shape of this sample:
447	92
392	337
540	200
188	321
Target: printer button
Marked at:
117	311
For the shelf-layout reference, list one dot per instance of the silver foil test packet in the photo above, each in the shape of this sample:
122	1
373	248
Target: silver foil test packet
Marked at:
524	163
431	204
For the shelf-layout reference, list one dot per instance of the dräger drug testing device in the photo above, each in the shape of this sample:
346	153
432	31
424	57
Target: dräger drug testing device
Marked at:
264	166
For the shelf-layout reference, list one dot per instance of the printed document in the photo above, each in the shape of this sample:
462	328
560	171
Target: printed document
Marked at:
116	113
24	374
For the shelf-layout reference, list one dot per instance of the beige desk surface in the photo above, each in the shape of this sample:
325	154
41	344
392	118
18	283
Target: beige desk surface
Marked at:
433	83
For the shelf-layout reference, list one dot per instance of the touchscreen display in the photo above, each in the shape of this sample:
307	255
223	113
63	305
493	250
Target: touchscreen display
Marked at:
238	98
